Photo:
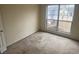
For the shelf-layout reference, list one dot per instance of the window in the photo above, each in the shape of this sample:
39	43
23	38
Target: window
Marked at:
59	17
52	16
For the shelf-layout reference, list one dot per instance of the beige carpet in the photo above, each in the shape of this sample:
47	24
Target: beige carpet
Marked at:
42	43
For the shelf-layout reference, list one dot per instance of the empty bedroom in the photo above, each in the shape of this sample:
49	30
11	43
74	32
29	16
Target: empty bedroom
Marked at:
39	28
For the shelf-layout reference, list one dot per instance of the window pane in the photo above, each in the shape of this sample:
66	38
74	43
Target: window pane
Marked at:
65	17
53	12
52	17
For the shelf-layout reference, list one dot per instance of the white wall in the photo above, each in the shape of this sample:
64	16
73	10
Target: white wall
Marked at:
75	23
19	21
43	17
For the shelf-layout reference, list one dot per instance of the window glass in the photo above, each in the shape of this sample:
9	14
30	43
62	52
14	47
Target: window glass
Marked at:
53	12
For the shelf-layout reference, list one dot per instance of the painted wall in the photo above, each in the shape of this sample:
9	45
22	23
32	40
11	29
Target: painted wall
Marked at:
19	21
75	24
43	17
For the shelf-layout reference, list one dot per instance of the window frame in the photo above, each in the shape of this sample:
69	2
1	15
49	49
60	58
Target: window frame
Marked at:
58	15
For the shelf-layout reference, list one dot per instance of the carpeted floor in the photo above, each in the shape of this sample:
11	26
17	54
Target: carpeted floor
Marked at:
44	43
